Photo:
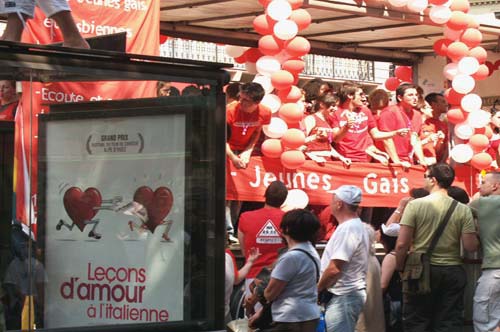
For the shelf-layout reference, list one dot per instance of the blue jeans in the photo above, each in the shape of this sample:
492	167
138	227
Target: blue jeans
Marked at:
342	312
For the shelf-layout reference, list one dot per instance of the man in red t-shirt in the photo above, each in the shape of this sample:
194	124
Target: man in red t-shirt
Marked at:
354	126
261	229
245	120
403	115
8	100
434	131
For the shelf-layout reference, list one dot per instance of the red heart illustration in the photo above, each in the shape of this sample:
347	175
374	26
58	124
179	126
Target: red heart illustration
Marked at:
157	203
80	206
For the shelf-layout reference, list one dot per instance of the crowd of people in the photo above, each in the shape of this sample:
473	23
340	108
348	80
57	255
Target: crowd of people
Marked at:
357	290
354	290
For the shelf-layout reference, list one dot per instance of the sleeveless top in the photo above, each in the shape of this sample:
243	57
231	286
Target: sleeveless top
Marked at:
322	144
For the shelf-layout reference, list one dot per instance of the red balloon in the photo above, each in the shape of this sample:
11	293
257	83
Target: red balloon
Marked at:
471	37
291	95
438	2
453	97
458	20
293	138
296	3
460	5
404	73
479	142
456	115
269	45
472	22
485	131
263	24
482	73
294	65
241	59
265	2
293	159
298	46
441	46
253	54
481	161
392	83
457	50
479	53
291	113
302	18
271	148
282	79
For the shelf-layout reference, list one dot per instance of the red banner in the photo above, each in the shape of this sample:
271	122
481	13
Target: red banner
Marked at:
139	19
382	186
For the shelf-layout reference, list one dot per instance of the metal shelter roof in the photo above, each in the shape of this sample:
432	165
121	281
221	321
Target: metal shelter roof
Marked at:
343	28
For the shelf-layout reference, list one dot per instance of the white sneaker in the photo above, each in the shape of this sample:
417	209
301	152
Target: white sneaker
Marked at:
233	239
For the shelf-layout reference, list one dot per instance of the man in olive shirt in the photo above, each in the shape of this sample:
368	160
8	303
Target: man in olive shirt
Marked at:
442	309
486	312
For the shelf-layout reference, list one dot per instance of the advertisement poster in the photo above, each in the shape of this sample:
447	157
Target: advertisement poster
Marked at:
114	220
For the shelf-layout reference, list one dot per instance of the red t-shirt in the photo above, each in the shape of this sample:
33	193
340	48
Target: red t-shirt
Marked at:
357	139
394	118
8	111
322	144
493	148
429	127
244	124
262	230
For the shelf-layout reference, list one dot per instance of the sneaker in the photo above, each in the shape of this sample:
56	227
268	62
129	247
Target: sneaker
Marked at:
233	240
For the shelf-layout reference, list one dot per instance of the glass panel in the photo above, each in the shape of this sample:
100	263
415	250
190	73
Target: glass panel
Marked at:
117	193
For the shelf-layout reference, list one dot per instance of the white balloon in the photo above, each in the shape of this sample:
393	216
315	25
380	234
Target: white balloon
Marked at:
479	118
450	70
271	101
464	130
468	65
235	51
398	3
417	6
296	199
440	14
285	29
265	82
266	65
463	84
462	153
276	128
452	34
471	102
279	10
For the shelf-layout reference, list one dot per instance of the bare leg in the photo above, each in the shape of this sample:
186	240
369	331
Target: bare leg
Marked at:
14	28
71	35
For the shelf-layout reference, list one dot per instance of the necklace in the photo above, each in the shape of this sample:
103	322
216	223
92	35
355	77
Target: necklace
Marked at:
245	123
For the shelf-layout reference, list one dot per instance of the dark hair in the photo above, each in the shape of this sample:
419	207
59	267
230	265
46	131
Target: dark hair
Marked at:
494	109
378	99
418	192
389	242
400	91
433	97
301	225
253	90
443	173
328	99
173	90
458	194
347	89
276	194
191	90
311	89
233	90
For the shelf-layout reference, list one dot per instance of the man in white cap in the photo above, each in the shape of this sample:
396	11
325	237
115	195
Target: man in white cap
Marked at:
344	262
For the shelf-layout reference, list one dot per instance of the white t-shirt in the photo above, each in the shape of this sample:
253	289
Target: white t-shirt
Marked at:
350	243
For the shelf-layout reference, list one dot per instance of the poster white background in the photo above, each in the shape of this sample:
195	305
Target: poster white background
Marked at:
80	268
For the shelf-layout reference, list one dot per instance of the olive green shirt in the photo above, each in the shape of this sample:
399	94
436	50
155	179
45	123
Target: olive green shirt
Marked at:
487	212
424	216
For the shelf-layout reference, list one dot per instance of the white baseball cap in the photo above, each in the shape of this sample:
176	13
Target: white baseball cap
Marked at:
348	194
391	230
